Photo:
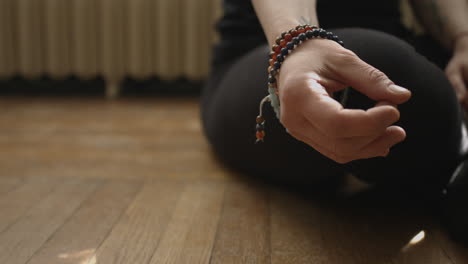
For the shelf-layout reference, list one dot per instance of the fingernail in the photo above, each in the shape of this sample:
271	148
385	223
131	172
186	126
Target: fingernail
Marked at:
398	89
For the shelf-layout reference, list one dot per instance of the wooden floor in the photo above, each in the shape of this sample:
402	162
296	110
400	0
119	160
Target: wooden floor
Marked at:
89	181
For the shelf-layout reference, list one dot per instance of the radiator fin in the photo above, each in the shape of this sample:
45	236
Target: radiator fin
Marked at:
111	38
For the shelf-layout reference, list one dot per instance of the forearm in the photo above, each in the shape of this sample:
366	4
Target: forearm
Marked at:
443	19
279	16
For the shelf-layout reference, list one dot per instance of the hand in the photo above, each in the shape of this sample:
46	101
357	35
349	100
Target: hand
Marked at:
457	70
308	78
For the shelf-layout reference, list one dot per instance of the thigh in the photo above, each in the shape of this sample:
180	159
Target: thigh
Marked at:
230	104
432	118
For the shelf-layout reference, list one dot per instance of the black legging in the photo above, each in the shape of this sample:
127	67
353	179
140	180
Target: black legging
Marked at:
432	119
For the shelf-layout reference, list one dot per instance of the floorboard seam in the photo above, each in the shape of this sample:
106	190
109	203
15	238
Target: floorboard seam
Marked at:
219	222
141	183
96	188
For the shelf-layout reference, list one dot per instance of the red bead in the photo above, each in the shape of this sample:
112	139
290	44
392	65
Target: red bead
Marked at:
260	135
294	33
308	28
260	119
277	49
273	48
288	37
283	43
301	30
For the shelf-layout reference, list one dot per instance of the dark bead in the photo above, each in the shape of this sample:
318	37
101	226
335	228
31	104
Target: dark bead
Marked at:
302	37
329	35
309	34
284	52
295	40
280	58
316	32
323	33
277	41
271	79
290	46
277	65
335	38
260	127
341	43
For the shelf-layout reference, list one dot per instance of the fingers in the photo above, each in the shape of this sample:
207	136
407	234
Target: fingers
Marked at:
336	150
367	79
332	119
345	149
392	136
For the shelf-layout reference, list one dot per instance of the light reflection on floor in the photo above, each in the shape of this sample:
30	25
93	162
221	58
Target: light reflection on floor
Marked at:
86	256
418	238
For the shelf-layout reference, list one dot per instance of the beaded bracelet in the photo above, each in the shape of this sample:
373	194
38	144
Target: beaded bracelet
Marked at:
284	45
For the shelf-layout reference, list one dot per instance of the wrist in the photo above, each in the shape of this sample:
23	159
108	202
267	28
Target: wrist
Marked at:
285	24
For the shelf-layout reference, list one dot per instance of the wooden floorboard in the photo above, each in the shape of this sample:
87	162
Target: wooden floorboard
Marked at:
244	230
21	240
91	181
191	232
136	236
77	240
9	184
16	202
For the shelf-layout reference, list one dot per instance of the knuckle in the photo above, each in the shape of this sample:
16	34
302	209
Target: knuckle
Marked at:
377	76
344	56
347	54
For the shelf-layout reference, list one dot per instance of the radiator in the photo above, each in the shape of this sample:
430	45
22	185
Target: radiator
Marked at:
109	38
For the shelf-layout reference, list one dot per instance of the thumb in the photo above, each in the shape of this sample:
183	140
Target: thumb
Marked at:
370	81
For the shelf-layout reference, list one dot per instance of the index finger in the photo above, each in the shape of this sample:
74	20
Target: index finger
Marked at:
332	119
